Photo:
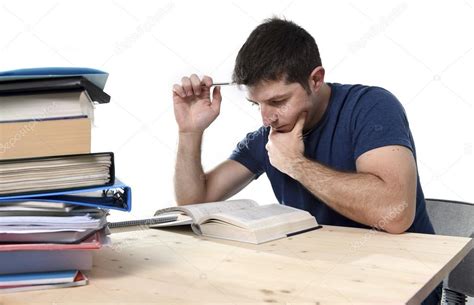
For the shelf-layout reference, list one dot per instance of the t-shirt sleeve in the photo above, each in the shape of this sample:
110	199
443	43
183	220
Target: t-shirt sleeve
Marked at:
249	152
379	120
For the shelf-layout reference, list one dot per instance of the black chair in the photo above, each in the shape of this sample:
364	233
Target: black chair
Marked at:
455	218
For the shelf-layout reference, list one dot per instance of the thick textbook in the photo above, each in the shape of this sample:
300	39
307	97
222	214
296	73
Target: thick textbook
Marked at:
242	220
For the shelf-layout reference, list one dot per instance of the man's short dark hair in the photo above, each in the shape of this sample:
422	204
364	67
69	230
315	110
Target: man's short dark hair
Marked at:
277	50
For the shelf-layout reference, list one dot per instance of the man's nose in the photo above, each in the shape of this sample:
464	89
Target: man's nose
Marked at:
268	116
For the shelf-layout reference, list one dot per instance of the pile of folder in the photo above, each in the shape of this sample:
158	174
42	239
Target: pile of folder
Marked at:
55	193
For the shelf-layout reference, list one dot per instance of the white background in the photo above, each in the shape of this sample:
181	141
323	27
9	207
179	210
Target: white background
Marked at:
420	51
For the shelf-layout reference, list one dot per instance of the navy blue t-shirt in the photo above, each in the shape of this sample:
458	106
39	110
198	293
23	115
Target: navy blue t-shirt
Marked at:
357	119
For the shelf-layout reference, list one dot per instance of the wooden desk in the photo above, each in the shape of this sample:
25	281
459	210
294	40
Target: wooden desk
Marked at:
327	266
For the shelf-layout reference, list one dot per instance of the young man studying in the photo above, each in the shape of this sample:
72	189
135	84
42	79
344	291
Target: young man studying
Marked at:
344	153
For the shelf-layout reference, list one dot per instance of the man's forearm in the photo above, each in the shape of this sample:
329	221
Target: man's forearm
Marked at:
189	178
362	197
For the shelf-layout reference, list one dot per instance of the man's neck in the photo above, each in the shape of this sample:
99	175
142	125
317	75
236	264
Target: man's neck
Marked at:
320	106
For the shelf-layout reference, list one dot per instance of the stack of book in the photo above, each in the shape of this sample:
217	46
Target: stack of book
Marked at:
54	193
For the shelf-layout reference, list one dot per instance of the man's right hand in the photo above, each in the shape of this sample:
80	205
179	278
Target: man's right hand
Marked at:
193	108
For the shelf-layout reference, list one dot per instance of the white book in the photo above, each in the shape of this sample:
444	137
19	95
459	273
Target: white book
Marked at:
242	220
45	106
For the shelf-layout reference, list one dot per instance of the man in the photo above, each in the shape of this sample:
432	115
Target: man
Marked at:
344	153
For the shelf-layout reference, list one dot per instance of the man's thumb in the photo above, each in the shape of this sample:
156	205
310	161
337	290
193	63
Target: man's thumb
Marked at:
216	99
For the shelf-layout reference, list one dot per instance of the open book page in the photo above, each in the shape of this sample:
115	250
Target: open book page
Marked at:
201	210
258	217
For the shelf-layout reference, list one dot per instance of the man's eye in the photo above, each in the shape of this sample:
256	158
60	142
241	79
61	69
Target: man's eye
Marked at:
254	104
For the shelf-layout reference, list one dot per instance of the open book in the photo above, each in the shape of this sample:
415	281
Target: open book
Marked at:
241	220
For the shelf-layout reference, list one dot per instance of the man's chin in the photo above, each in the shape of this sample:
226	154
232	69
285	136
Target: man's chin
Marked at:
282	129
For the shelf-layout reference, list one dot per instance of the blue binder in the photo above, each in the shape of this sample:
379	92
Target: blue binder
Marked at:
97	77
116	197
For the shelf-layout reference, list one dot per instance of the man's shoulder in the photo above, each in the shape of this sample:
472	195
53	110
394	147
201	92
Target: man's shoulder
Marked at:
358	91
355	99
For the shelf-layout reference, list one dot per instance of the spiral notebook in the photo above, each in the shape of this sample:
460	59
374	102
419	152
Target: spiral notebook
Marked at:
142	222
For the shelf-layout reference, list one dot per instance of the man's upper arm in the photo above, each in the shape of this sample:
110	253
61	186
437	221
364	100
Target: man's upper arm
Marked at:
396	166
227	179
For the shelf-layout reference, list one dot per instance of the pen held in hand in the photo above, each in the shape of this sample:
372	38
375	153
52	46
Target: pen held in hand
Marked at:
220	84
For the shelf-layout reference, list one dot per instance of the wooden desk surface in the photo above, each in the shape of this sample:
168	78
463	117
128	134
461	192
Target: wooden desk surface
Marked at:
326	266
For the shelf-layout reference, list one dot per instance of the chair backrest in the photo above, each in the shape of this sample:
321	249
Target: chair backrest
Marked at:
455	218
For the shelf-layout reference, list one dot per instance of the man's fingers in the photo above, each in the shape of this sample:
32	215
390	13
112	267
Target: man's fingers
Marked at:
186	84
272	132
298	128
207	81
179	90
193	85
196	84
268	146
216	99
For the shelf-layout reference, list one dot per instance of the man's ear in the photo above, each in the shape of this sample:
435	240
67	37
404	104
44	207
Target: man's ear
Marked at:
316	79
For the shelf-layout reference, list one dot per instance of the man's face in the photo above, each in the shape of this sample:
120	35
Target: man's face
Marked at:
280	103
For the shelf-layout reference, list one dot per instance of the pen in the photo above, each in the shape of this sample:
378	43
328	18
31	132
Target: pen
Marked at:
221	84
303	231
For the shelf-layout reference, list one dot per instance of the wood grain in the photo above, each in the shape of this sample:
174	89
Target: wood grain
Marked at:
333	265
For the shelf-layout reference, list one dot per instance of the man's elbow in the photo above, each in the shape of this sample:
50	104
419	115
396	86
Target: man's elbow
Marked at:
397	228
186	200
400	219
